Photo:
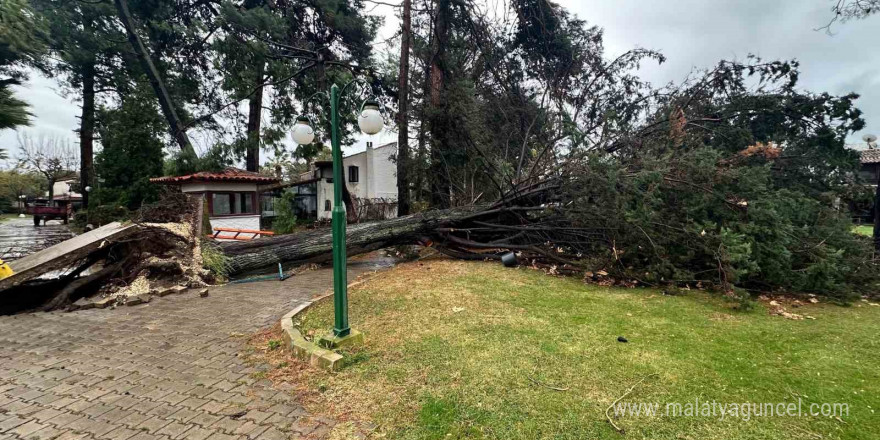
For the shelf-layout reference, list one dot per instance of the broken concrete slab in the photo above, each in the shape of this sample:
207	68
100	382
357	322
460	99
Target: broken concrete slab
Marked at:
171	290
64	254
83	304
137	299
103	303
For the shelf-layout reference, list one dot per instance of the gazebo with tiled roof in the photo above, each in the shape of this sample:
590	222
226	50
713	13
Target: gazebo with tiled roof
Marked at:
231	194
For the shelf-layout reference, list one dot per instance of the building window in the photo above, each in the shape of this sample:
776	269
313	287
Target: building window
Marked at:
222	204
326	205
232	203
353	174
245	203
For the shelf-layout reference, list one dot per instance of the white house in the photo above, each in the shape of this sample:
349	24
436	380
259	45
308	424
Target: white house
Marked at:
371	177
231	195
62	194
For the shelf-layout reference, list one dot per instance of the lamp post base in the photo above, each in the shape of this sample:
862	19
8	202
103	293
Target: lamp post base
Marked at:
332	341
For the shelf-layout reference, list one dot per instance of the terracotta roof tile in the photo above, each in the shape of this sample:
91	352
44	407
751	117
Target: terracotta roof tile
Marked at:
227	175
871	156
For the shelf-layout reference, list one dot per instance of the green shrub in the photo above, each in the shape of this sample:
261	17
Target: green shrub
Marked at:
215	261
100	215
285	221
728	226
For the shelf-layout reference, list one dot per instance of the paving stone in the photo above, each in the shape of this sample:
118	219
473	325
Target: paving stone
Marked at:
96	410
193	402
134	419
94	427
47	433
26	429
222	436
115	415
174	429
70	435
152	424
64	420
205	419
196	433
121	433
273	434
174	364
214	407
46	414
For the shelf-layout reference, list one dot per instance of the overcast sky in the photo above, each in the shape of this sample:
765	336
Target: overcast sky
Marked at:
691	33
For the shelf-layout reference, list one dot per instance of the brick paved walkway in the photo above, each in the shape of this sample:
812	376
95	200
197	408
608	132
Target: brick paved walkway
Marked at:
169	369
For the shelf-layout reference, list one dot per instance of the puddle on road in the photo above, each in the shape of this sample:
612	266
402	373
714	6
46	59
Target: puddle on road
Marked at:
19	237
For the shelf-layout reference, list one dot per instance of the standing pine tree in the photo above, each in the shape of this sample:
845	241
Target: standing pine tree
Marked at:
132	153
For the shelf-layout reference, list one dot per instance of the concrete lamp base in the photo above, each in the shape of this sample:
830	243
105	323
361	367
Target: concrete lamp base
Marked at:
331	342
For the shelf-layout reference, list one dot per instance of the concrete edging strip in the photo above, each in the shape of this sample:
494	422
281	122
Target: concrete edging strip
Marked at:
305	350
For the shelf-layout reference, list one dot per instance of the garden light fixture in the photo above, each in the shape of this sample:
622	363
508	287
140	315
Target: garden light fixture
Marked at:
370	122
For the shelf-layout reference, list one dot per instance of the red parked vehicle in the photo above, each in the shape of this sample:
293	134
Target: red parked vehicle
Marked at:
43	212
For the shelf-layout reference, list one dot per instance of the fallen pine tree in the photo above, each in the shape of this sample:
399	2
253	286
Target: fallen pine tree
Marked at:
735	180
721	186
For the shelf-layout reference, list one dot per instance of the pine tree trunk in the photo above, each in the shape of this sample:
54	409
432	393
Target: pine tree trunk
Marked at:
255	113
403	203
438	176
87	131
317	245
175	126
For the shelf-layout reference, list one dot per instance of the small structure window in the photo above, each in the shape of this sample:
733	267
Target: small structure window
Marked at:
245	203
353	174
222	204
326	205
231	203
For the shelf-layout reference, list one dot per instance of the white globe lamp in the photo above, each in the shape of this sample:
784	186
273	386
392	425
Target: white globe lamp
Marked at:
370	120
302	132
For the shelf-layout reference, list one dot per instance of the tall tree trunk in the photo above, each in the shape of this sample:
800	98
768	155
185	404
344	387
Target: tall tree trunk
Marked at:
403	204
316	245
438	175
255	113
175	126
87	131
51	181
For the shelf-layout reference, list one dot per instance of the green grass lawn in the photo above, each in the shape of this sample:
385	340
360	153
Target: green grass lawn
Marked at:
474	350
866	230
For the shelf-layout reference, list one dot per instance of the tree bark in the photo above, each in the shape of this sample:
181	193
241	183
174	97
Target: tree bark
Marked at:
255	113
403	203
316	246
87	131
175	126
51	181
438	177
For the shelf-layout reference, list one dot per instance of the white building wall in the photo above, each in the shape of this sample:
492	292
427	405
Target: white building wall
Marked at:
217	186
359	189
377	177
383	173
325	192
62	188
237	222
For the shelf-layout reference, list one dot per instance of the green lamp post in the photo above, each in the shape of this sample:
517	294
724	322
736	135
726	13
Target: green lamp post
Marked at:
370	122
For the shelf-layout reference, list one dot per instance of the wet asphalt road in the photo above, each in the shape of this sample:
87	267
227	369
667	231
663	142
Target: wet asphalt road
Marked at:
19	237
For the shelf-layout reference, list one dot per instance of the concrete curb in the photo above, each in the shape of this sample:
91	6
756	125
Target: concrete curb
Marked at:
310	352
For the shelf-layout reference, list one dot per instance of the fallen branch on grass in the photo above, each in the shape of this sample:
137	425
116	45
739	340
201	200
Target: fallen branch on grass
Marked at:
536	382
630	390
